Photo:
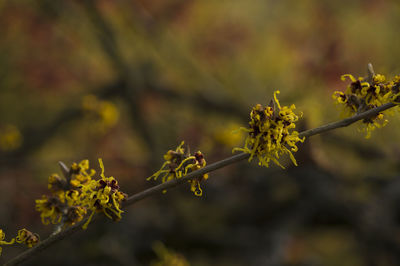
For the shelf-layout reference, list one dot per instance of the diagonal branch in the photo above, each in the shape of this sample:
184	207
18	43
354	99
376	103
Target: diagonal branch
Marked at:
45	244
173	183
347	121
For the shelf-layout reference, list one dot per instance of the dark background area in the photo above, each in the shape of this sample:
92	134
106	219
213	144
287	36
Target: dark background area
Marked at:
128	80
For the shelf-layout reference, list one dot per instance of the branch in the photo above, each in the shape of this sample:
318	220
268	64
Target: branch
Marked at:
133	79
173	183
131	200
45	244
34	138
346	122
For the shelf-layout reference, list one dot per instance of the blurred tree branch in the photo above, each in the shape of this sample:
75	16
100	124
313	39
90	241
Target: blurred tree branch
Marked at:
132	78
34	138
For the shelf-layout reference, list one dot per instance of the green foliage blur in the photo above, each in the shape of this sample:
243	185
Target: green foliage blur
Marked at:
128	80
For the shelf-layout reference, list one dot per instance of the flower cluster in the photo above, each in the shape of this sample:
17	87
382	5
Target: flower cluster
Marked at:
24	237
104	196
362	95
270	133
179	163
77	193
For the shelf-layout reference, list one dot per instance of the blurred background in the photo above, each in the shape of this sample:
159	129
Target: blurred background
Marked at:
128	80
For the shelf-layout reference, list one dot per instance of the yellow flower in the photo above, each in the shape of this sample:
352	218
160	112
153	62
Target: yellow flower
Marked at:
195	182
56	183
28	238
69	203
361	96
3	242
50	209
75	214
179	163
81	174
271	134
103	195
378	78
339	97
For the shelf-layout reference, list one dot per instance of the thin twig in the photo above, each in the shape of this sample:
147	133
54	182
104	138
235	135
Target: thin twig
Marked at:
132	199
45	244
347	121
173	183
